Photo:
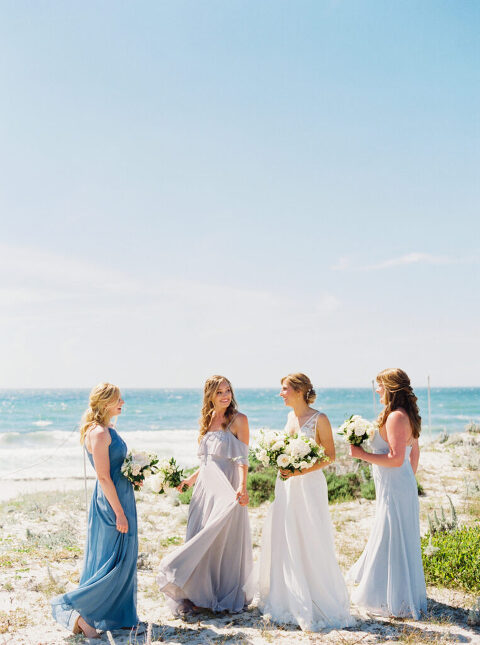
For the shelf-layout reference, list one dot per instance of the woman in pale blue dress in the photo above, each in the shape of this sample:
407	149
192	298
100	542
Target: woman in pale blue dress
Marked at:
106	596
389	572
211	569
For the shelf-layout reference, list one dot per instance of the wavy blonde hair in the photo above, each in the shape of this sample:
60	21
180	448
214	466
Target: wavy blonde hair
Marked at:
399	394
101	398
209	391
301	383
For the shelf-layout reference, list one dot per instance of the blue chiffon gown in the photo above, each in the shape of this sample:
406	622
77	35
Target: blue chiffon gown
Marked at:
389	572
107	595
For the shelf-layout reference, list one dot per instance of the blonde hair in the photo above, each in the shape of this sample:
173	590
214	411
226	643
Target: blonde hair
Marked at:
301	383
101	398
399	394
209	391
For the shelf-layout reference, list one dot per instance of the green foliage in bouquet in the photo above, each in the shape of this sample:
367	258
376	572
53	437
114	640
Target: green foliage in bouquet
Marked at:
452	558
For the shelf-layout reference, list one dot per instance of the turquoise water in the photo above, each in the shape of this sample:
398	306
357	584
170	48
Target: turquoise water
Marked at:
39	428
25	412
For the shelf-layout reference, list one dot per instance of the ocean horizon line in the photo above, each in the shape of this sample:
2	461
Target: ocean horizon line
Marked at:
236	388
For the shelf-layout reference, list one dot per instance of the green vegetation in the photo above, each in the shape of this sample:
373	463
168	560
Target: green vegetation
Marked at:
442	524
452	558
341	488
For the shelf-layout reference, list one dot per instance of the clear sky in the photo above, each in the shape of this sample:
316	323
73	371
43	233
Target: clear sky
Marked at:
245	187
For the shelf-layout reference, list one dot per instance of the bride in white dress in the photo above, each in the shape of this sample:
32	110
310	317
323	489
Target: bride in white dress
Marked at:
300	581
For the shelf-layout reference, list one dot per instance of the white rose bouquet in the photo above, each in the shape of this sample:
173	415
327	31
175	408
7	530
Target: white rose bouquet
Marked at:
288	450
169	475
137	465
356	430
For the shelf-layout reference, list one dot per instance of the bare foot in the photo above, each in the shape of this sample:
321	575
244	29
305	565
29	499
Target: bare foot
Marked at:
88	630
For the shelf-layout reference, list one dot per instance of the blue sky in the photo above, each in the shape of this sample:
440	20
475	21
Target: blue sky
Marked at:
240	187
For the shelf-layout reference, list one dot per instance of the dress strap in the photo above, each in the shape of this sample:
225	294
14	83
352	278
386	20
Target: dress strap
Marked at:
310	419
228	427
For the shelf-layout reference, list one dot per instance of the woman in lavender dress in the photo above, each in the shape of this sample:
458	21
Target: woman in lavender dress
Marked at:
389	572
211	568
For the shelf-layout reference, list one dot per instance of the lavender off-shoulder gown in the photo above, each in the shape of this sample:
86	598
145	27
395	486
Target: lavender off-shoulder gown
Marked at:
212	567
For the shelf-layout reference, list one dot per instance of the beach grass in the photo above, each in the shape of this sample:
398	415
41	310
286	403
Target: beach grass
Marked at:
43	536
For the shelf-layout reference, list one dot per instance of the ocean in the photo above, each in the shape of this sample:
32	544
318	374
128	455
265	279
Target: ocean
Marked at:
39	428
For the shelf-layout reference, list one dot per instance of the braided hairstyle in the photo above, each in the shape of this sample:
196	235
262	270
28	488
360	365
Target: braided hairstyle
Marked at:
399	394
301	383
102	397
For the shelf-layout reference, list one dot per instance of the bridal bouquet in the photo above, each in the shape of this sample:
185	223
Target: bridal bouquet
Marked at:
169	475
288	450
139	464
356	430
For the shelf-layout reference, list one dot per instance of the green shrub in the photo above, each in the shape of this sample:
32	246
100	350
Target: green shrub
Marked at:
456	563
261	487
186	496
342	488
367	490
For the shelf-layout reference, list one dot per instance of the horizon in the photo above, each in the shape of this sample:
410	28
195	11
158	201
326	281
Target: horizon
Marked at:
237	388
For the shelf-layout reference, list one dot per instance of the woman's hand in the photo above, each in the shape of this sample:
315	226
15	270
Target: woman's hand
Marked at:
122	523
356	451
242	496
185	483
286	474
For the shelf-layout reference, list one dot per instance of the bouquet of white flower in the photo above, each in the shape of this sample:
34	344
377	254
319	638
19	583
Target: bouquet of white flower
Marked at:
356	430
169	475
138	465
288	450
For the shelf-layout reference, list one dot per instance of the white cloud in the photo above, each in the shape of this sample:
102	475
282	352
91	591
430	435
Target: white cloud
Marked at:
62	316
346	264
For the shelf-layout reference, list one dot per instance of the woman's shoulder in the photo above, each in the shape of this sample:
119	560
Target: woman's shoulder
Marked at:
239	422
99	433
398	415
239	417
316	414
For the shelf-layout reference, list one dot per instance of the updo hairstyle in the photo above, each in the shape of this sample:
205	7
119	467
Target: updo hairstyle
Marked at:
301	383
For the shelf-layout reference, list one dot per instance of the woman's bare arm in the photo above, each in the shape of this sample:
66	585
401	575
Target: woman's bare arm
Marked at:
99	441
415	455
398	434
241	430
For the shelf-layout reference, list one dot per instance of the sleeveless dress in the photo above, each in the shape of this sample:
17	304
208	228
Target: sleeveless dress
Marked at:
211	568
107	595
390	569
300	581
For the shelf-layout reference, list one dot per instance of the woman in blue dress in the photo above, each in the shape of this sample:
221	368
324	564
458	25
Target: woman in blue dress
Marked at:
106	596
389	572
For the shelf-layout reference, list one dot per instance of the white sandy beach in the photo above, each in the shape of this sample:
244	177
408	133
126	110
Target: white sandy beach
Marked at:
42	543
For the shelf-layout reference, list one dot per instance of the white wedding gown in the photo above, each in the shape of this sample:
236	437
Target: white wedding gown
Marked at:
300	581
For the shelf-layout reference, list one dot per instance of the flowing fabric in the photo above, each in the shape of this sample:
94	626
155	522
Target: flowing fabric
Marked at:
211	568
300	581
389	572
106	596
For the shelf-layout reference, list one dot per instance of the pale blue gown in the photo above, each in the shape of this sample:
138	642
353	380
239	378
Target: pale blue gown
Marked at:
107	595
389	572
212	567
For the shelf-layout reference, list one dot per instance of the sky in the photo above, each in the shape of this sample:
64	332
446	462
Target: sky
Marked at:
246	188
